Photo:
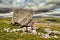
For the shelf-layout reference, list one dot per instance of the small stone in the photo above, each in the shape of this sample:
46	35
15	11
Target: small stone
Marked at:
56	32
48	30
11	31
29	28
23	29
39	34
55	36
47	36
18	30
6	29
34	32
14	30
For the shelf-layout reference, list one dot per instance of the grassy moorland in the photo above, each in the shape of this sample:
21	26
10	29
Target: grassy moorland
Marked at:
44	23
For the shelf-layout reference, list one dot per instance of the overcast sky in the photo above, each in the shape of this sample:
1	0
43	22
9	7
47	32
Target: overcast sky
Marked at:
35	4
39	4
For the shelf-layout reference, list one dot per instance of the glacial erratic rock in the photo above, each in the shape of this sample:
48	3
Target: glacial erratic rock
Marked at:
22	17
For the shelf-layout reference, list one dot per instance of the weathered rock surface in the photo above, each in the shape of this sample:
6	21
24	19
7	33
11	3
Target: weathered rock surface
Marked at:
30	30
22	17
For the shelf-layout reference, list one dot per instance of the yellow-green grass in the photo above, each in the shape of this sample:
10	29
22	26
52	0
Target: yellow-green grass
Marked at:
6	23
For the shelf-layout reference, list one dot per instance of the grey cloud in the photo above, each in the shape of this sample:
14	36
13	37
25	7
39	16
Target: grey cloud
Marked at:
53	1
36	5
48	5
54	4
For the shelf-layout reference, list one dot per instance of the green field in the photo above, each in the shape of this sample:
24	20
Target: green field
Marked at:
6	23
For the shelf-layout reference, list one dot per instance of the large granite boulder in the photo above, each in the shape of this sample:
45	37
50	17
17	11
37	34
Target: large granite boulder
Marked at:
22	17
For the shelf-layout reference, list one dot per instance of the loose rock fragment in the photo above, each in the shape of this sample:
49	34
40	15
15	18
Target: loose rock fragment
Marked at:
29	29
11	31
34	32
55	36
18	30
6	29
38	33
45	35
56	32
48	30
14	30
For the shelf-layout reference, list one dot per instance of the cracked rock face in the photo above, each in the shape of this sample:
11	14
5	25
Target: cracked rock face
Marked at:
22	17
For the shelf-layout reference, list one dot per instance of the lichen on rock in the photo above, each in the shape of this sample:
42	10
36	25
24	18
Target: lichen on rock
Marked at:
22	17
